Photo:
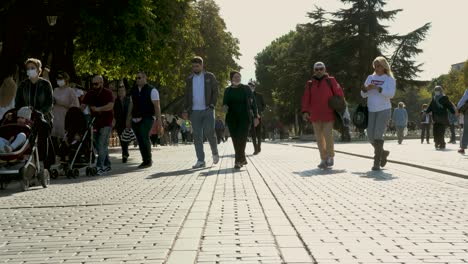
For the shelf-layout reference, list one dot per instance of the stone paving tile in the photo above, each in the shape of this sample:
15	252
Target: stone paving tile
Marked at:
343	213
237	230
277	209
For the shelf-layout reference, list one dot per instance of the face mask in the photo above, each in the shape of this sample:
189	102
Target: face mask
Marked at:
31	73
437	93
60	83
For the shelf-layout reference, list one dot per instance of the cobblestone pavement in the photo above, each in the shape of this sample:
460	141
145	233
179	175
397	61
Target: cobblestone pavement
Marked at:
277	209
412	151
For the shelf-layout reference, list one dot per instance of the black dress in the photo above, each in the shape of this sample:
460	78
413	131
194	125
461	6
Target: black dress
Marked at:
241	108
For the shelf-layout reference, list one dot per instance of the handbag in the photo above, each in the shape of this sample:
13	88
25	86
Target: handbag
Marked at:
338	104
128	135
361	116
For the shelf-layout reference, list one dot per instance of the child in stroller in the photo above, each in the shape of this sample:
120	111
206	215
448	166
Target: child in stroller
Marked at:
20	156
76	147
14	142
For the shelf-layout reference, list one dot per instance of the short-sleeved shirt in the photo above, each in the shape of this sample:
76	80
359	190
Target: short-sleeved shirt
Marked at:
98	99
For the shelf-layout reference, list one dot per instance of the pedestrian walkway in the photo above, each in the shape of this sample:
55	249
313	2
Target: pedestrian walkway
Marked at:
278	209
411	151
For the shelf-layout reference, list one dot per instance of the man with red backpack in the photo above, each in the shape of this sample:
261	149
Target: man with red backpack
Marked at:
316	109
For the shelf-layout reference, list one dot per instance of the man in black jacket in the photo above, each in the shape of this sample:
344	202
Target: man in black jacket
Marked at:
256	132
144	110
201	94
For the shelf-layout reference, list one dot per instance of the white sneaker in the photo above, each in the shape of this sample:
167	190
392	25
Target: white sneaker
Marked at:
199	164
215	159
330	162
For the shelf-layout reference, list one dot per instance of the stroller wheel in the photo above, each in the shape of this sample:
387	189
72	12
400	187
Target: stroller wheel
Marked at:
54	174
75	173
24	179
44	178
93	171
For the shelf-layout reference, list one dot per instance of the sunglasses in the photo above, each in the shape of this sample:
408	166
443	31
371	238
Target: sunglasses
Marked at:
318	69
139	78
121	86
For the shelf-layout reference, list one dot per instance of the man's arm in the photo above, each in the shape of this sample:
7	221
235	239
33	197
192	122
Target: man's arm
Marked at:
104	108
157	109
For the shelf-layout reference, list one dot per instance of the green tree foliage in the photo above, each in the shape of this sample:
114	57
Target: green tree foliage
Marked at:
218	47
347	41
116	38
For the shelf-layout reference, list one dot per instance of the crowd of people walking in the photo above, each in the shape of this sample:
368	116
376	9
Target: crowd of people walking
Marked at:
135	114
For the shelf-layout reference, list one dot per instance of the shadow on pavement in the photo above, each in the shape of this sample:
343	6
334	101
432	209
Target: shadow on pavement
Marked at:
174	173
318	172
215	172
376	175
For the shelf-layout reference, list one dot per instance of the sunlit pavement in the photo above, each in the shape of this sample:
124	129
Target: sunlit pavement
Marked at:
278	209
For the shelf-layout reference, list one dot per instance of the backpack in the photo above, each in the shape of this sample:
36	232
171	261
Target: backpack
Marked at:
361	116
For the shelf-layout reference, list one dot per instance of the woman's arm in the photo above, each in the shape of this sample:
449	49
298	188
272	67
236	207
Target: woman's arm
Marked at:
388	88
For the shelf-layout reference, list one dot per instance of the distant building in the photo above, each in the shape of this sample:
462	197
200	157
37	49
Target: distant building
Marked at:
458	66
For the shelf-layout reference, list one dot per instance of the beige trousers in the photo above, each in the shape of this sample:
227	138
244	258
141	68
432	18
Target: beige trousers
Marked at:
324	135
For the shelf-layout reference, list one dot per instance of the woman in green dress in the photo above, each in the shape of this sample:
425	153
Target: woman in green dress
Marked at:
241	108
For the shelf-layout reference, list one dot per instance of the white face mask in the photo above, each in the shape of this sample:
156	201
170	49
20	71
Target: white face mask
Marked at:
60	83
437	93
31	73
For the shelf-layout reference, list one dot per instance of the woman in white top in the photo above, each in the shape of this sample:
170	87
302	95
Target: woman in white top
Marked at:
64	99
379	88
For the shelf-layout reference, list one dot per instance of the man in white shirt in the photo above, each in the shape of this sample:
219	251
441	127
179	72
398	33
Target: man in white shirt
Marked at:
201	94
143	110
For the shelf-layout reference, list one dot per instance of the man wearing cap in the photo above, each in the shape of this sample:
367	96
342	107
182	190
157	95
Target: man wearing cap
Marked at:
256	131
315	109
201	95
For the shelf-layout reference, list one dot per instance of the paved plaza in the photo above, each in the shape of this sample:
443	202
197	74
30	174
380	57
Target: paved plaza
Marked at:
278	209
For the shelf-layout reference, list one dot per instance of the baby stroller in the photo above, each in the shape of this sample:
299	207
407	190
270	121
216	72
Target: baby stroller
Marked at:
22	163
76	148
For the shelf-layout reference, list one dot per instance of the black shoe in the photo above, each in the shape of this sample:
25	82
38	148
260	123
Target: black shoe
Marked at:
255	153
375	168
237	166
124	159
243	163
145	164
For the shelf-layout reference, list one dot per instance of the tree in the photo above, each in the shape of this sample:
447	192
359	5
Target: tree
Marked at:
347	41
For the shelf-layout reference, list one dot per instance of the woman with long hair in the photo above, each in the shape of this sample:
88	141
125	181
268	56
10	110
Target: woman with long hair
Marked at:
379	88
36	92
241	108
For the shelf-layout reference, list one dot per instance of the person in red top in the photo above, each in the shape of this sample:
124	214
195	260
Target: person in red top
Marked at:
101	103
315	109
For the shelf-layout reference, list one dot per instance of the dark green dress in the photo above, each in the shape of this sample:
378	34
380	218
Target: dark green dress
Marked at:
242	105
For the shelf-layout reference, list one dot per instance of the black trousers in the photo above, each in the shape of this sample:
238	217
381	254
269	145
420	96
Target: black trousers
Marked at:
239	142
256	133
439	134
425	132
453	136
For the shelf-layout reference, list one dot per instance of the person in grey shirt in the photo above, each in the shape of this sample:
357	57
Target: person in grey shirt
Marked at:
400	117
201	94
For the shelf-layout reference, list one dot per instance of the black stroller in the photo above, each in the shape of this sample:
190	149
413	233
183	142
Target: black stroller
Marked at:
22	163
76	148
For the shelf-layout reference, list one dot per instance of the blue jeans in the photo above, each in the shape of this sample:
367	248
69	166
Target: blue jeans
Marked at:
203	125
101	144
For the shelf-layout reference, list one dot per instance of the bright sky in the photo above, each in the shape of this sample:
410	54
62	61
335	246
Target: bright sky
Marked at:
258	22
